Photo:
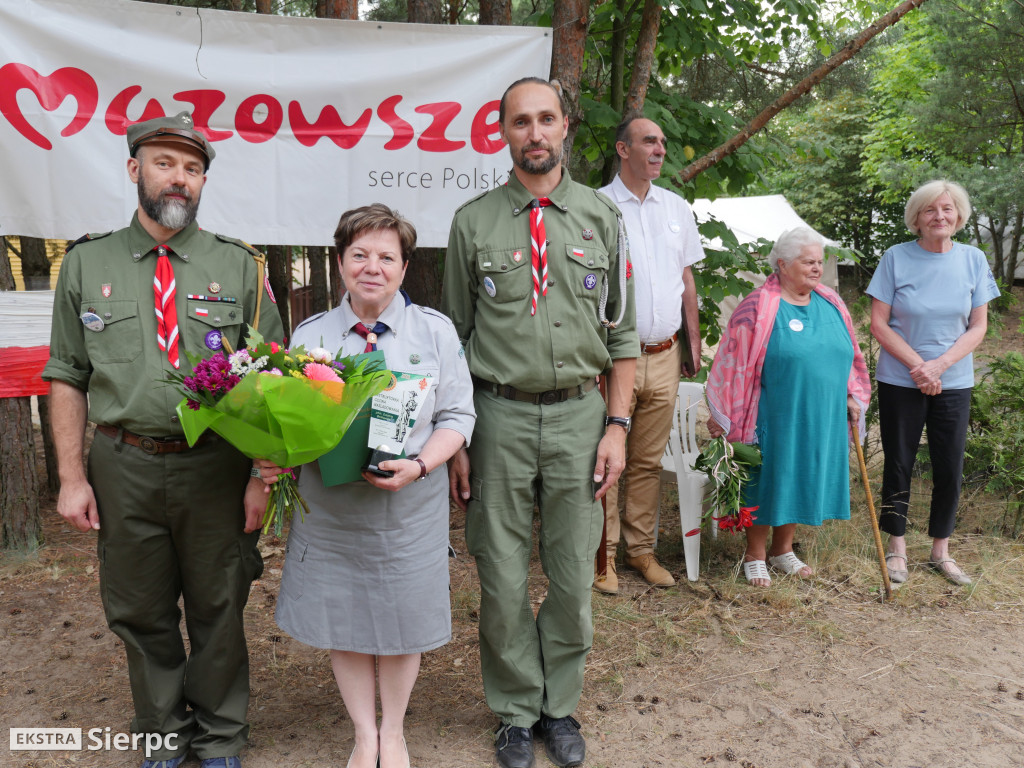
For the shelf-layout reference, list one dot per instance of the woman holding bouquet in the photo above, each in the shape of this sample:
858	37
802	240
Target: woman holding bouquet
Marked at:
366	572
787	375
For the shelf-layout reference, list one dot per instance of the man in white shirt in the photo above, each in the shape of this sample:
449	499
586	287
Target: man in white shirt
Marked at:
663	244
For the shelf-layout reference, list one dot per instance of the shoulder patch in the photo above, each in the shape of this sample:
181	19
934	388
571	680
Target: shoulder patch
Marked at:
308	320
86	238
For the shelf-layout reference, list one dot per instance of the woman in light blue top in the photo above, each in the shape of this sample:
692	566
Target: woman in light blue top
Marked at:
929	312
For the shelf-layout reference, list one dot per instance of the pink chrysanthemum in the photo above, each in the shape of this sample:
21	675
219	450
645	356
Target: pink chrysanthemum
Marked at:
320	372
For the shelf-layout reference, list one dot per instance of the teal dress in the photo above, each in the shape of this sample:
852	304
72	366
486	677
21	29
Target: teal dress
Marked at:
804	476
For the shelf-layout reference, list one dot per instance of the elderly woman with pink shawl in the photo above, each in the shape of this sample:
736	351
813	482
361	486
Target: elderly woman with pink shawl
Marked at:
788	376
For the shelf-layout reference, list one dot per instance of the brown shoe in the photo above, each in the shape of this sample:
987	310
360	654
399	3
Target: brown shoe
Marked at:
650	569
607	582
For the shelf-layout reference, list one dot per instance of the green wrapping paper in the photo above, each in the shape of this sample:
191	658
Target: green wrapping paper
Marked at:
283	419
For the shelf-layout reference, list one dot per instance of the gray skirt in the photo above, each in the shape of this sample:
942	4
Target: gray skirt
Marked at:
367	571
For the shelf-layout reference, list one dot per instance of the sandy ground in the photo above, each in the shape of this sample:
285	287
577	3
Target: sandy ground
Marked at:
819	674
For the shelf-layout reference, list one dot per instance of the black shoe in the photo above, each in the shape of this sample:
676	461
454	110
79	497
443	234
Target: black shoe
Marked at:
514	746
562	740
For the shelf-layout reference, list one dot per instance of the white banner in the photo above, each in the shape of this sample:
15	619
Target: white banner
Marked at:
309	117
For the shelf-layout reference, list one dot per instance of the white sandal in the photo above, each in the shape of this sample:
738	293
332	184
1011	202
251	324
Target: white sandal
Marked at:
788	563
756	569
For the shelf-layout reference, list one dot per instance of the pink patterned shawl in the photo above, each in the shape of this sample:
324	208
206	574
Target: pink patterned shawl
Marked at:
734	383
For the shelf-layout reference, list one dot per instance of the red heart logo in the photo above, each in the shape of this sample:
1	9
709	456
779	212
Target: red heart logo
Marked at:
51	92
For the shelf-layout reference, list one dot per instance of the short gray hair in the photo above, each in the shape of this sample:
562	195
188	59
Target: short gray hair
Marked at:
928	193
789	244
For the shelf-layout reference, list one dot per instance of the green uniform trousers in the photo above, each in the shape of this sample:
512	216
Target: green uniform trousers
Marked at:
524	455
171	526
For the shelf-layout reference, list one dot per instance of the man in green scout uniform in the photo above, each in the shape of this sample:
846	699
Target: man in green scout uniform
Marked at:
537	287
172	521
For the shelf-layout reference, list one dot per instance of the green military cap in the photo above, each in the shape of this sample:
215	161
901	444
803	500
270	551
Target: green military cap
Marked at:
178	129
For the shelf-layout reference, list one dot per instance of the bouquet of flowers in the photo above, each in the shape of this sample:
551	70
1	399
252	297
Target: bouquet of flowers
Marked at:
286	405
727	466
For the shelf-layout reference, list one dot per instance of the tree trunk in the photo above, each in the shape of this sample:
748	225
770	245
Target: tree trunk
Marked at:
496	12
334	272
846	53
19	492
617	84
316	256
643	61
279	270
337	9
997	228
49	450
35	266
264	6
570	22
6	273
1013	255
425	12
423	278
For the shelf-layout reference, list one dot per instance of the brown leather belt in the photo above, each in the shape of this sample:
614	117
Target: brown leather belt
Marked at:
658	346
152	445
550	397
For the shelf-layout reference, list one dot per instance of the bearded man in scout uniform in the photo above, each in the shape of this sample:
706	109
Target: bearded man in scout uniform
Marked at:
537	286
172	521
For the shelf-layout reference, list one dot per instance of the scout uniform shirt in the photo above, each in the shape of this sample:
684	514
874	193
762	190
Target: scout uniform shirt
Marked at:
118	361
488	283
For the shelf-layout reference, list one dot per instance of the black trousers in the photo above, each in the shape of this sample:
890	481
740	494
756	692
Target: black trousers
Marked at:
903	413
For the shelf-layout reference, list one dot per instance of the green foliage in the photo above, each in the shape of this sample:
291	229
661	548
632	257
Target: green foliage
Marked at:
995	442
821	174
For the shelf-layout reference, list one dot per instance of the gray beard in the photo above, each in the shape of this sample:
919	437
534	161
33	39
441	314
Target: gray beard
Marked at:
169	214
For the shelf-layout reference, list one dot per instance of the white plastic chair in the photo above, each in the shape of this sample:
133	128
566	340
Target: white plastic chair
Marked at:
680	453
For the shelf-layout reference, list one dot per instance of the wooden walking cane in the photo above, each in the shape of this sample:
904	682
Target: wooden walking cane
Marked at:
871	511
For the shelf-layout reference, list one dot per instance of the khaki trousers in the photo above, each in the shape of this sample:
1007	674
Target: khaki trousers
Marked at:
522	456
170	528
653	403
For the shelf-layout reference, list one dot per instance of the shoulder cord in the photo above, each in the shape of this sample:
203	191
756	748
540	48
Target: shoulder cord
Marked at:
623	259
260	262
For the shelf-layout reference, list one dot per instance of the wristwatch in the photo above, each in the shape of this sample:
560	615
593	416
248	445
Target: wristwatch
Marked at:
619	421
423	469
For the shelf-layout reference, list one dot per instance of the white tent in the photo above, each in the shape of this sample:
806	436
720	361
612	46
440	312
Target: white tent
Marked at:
752	218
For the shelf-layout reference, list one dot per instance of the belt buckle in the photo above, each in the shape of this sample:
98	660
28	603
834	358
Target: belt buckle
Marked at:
549	398
148	445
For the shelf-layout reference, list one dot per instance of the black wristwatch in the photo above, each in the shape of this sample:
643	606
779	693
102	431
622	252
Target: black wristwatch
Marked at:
619	421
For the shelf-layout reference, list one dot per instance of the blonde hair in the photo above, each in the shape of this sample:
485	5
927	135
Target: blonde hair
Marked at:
928	193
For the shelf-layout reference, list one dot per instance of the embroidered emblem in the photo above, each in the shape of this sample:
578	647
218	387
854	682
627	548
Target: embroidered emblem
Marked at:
213	340
590	281
105	290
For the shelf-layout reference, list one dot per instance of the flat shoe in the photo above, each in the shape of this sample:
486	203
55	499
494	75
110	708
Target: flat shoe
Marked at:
960	579
755	569
897	575
788	563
